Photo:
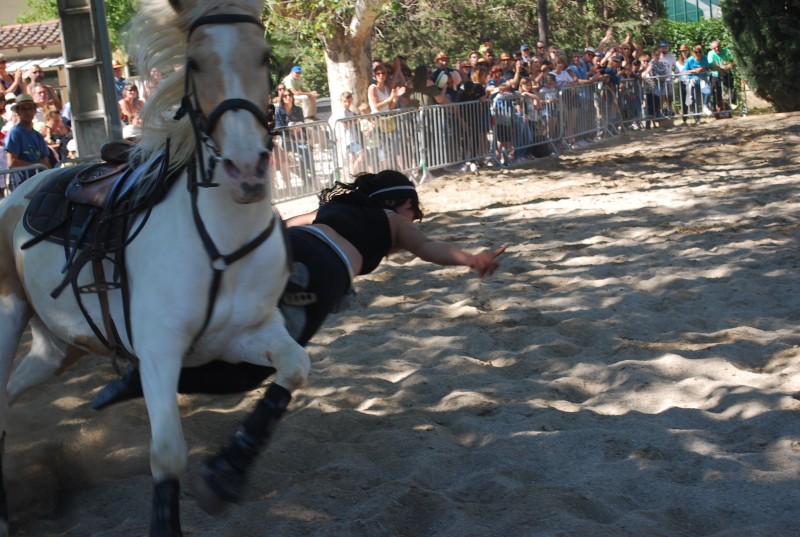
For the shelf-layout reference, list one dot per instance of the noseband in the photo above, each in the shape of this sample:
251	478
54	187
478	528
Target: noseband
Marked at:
204	126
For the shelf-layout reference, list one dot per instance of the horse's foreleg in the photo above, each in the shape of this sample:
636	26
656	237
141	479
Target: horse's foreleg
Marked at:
168	447
224	475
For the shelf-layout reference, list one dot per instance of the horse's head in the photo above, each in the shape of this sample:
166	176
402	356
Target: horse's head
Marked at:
227	70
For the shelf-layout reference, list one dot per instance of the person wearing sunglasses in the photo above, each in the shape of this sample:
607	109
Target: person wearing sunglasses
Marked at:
11	83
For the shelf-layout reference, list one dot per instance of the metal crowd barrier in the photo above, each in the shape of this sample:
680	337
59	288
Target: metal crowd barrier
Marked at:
91	159
452	134
303	161
373	142
13	177
523	125
676	96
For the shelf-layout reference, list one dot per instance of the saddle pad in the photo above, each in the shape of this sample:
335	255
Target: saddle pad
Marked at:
47	212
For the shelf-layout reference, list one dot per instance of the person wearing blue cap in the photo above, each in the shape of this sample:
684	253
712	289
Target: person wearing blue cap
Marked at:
305	98
526	56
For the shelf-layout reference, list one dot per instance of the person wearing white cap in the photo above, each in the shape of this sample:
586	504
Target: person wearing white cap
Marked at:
24	145
305	98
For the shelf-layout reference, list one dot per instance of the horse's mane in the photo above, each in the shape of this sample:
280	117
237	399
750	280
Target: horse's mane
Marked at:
157	42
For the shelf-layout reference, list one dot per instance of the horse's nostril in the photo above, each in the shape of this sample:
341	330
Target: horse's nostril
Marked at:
231	168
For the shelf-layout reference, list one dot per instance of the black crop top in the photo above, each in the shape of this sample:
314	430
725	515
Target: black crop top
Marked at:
365	227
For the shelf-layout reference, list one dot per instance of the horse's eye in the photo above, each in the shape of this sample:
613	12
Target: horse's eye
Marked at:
192	65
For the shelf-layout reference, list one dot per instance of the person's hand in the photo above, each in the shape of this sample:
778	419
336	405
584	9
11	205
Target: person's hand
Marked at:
485	262
401	90
609	33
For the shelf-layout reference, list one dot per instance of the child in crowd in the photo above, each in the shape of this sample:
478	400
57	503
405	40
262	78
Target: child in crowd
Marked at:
343	127
549	97
369	133
503	110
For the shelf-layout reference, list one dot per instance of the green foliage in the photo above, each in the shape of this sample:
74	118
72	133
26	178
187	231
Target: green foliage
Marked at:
690	33
420	29
765	36
39	10
424	28
118	13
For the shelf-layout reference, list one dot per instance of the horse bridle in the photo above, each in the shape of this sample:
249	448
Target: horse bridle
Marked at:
203	128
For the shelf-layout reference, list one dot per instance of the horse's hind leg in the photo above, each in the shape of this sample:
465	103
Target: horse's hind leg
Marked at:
47	356
14	315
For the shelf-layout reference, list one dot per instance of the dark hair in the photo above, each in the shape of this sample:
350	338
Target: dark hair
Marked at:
420	80
388	189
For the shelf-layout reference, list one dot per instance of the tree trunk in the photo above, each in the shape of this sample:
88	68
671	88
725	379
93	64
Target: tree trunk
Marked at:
348	53
542	5
349	62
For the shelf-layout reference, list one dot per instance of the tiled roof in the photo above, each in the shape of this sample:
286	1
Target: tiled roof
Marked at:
33	34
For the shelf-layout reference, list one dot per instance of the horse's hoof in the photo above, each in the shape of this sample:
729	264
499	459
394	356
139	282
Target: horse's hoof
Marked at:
217	485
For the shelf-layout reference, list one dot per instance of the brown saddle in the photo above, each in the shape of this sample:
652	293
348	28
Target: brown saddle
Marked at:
94	185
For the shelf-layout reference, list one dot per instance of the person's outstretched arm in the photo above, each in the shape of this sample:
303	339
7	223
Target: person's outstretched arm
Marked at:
409	237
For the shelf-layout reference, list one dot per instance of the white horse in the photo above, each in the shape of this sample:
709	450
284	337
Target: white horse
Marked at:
204	272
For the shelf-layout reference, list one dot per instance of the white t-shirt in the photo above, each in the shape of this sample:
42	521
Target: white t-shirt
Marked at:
669	59
562	79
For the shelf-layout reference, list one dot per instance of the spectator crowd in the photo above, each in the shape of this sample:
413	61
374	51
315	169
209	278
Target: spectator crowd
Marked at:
35	125
548	83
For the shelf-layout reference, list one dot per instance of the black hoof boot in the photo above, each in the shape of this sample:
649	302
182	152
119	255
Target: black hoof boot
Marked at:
165	518
121	389
224	476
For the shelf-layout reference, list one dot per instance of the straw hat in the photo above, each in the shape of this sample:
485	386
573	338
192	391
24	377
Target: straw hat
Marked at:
22	98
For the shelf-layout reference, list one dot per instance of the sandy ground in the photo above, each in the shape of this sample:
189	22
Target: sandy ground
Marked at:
629	371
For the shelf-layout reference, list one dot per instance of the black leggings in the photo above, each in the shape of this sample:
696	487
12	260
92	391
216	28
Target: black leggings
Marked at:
328	279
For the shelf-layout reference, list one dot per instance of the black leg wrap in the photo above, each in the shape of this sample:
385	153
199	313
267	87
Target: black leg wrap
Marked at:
118	390
165	520
224	476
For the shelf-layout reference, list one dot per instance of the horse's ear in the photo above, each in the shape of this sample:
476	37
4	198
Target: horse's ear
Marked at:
176	5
